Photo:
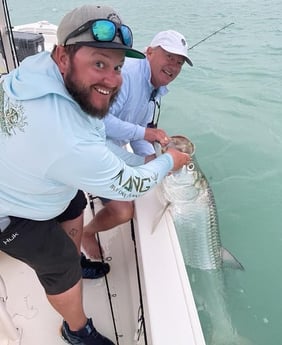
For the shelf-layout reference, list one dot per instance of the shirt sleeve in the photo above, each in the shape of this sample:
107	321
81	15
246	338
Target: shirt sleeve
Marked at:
130	158
142	147
118	129
97	170
118	125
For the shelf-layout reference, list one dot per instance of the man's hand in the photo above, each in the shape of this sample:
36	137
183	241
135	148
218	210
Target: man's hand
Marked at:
155	134
180	159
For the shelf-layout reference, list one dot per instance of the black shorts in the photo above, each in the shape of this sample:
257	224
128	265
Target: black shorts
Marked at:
104	200
45	247
75	208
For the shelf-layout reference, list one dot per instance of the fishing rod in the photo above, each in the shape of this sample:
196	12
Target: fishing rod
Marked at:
214	33
157	104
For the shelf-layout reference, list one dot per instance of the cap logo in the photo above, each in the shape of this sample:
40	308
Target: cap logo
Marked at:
114	18
183	42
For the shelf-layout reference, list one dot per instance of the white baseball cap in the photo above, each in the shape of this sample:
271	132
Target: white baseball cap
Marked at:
173	42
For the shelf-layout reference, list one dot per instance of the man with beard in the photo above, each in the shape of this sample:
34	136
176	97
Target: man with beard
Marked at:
53	145
133	118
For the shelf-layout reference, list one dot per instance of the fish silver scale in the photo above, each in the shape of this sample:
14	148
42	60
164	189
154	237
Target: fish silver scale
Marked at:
193	208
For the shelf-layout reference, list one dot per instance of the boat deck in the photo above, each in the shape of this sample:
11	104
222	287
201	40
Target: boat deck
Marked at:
170	313
36	319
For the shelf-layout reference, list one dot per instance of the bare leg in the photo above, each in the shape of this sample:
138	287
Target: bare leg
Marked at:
112	214
73	229
69	305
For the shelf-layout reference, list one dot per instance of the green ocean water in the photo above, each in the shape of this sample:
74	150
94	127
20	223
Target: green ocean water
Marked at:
230	105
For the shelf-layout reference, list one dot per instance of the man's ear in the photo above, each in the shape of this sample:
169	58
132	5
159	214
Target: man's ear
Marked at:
61	58
149	51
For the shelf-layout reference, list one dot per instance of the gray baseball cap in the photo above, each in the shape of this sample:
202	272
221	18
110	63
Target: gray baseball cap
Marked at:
80	16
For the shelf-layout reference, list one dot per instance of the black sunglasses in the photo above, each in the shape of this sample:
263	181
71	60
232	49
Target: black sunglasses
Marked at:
104	30
156	112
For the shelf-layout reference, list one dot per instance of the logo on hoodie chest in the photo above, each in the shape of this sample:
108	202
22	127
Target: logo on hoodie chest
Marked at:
11	115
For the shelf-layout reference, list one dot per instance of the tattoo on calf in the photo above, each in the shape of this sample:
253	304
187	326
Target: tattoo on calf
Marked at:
73	232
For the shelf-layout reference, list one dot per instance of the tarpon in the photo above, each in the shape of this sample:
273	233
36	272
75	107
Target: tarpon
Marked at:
191	201
193	209
189	197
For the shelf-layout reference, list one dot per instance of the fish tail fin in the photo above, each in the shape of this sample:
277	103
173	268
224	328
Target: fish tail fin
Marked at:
233	339
230	260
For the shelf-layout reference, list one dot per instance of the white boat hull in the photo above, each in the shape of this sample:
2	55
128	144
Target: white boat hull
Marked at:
48	30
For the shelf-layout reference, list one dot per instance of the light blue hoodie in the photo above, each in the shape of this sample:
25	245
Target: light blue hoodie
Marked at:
50	148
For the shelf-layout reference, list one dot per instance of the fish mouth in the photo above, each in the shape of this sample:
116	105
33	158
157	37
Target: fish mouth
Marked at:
182	144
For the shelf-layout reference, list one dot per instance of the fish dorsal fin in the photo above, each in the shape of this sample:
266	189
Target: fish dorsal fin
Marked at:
229	260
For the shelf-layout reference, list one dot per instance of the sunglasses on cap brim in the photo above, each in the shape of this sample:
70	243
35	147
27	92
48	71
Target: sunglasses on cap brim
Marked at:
104	30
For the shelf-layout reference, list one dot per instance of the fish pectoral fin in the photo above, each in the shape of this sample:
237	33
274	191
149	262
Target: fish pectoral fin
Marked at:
229	260
158	217
158	148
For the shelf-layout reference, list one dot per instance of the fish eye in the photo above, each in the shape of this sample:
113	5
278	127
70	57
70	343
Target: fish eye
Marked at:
190	166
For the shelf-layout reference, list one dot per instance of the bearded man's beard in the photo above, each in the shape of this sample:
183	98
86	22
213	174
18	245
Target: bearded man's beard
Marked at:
81	95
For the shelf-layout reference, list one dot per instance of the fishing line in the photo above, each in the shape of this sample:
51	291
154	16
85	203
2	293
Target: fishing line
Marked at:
214	33
92	207
141	316
154	123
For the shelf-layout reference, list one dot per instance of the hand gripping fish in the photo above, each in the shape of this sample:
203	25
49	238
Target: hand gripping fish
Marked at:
190	199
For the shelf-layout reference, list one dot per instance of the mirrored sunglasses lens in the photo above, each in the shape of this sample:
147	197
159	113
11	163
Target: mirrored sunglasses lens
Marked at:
104	30
126	36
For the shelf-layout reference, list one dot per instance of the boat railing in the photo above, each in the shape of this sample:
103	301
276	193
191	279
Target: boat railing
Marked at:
8	56
170	312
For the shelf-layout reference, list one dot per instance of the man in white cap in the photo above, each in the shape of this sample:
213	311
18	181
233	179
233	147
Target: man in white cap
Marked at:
134	115
53	146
